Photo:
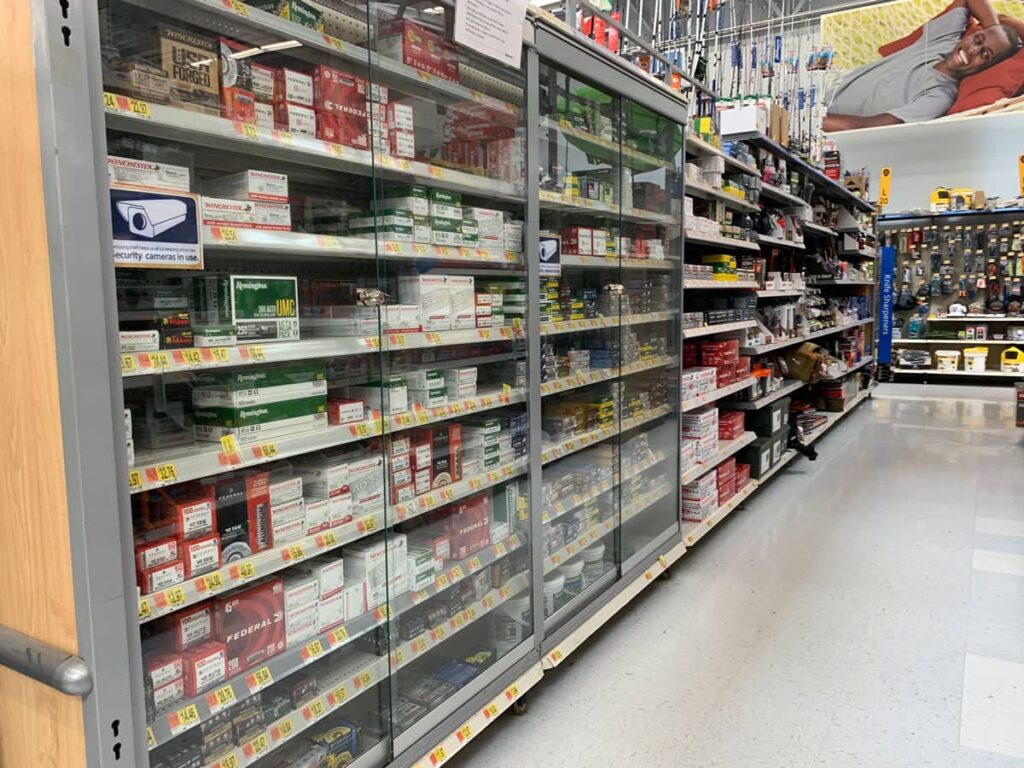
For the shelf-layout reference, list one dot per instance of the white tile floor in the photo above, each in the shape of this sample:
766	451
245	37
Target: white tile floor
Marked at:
863	611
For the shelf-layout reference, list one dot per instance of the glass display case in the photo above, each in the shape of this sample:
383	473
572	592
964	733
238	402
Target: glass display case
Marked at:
398	339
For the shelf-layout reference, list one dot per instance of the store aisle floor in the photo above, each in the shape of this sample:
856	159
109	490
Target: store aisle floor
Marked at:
865	610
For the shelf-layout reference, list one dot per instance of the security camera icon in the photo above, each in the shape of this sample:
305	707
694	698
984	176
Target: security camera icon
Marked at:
548	249
149	218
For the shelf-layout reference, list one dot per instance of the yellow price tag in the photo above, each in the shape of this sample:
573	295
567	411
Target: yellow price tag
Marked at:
259	744
256	352
474	563
340	635
134	480
438	756
175	596
442	581
398	339
261	678
226	234
109	100
269	450
512	693
438	633
885	183
340	693
283	731
246	570
433	338
192	356
145	609
363	429
490	711
140	109
400	656
160	359
295	552
464	733
499	548
371	523
220	354
329	539
128	364
312	650
248	131
314	710
239	7
229	761
184	718
456	573
150	738
213	582
436	172
334	42
222	697
229	445
166	473
364	679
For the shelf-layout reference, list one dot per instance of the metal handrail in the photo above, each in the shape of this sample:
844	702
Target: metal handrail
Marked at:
40	661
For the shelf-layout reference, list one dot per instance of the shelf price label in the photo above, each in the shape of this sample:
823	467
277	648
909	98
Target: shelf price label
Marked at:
362	680
240	8
512	693
173	597
162	473
243	571
247	131
220	354
312	651
145	609
265	451
228	761
339	636
282	731
259	680
134	480
220	699
367	524
212	582
474	563
293	552
490	711
225	234
464	733
337	696
257	746
128	364
326	540
438	756
183	719
314	711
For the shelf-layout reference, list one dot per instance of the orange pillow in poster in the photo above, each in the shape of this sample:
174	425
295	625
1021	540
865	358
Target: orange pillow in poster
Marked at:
1002	81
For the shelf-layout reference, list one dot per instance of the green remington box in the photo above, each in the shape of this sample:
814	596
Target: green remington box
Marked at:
292	10
262	308
265	376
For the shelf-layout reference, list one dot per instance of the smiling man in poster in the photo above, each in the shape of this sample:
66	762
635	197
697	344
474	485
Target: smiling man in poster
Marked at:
920	81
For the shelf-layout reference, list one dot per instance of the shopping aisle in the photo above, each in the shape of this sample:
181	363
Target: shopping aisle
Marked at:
867	610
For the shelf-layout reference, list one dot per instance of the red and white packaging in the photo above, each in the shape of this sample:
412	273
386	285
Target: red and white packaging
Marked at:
468	526
399	117
402	144
191	515
168	694
349	130
287	532
404	492
331	611
318	515
329	573
191	626
344	410
293	87
506	160
161	577
420	48
338	93
246	214
420	450
238	104
742	476
201	555
422	481
150	554
294	118
437	541
263	83
264	116
205	667
355	599
251	624
164	668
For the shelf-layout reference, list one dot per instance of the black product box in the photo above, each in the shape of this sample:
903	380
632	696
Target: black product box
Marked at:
243	511
437	614
758	455
275	707
175	327
302	688
780	441
766	421
412	623
407	713
428	691
217	743
180	753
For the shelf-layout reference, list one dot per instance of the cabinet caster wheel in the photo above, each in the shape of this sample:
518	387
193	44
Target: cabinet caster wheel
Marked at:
519	706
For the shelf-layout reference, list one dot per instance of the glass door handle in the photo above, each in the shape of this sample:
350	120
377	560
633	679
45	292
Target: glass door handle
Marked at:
40	661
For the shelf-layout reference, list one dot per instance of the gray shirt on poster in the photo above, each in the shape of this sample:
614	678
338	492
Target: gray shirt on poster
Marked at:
906	84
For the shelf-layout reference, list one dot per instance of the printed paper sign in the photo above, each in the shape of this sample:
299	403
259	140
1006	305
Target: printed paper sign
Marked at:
492	27
550	253
155	229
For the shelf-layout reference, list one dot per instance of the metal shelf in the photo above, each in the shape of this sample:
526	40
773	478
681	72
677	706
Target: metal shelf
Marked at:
781	294
726	448
695	531
979	318
699	189
586	378
794	162
834	418
275	244
613	262
258	27
630	509
612	152
564	506
156	469
866	253
761	349
169	723
556	327
721	242
780	243
562	448
711	330
936	372
753	405
866	360
552	201
718	285
778	193
837	283
362	674
979	342
697	146
188	127
718	394
810	227
205	358
241	572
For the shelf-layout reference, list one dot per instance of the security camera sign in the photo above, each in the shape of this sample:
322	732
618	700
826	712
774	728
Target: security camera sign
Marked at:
155	229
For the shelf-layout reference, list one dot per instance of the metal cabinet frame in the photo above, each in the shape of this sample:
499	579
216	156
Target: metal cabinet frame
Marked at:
73	143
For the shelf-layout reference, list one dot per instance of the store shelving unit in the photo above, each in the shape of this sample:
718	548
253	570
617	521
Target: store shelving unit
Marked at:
762	349
586	469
